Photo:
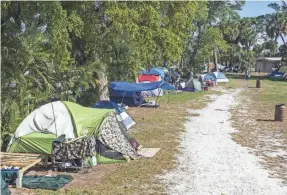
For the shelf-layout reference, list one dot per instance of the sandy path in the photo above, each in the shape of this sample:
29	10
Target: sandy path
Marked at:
212	163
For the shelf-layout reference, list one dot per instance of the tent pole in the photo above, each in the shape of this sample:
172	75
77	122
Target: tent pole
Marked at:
157	96
54	119
123	97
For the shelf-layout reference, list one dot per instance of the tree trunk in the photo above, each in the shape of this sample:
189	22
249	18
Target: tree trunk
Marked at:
283	39
215	59
104	92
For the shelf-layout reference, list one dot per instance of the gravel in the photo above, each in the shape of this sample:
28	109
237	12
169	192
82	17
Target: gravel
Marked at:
210	162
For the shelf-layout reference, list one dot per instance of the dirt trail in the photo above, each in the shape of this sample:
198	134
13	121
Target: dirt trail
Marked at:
212	163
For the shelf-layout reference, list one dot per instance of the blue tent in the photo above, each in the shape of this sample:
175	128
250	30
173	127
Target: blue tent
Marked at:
129	93
208	76
122	116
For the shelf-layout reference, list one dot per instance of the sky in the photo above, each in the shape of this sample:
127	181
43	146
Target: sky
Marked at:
257	8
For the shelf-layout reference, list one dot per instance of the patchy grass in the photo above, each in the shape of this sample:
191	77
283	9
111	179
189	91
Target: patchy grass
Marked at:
283	69
253	116
156	127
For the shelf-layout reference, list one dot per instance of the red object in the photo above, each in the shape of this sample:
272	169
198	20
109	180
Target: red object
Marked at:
205	88
148	77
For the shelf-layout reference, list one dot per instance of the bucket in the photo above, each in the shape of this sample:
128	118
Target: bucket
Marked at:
205	88
258	83
280	112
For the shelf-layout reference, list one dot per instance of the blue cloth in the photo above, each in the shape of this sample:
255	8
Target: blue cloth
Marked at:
276	74
108	105
167	86
135	87
123	93
209	76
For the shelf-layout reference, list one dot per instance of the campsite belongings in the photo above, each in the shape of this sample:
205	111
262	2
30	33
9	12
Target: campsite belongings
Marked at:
46	182
121	114
80	125
4	188
14	165
129	93
258	83
280	112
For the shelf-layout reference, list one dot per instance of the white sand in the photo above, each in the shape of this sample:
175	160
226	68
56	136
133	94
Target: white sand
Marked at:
212	163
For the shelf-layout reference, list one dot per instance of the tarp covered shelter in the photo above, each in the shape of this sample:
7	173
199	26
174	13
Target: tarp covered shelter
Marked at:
148	77
39	129
151	93
129	98
129	93
122	116
161	71
137	87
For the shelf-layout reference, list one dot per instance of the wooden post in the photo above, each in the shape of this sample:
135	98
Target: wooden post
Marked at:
20	173
46	161
19	179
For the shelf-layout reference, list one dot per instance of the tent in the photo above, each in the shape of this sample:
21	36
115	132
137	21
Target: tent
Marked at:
160	71
220	77
129	93
127	98
208	76
193	84
151	93
148	77
122	116
39	129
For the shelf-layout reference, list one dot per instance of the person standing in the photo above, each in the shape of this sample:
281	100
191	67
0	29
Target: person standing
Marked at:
247	74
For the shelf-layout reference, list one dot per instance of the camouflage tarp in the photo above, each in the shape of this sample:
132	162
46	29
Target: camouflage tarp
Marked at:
79	149
111	135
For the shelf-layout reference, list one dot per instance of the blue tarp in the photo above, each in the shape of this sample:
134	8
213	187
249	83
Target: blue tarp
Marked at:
137	87
127	121
276	74
108	105
167	86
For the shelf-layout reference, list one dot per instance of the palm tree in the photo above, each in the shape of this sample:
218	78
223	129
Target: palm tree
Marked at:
277	23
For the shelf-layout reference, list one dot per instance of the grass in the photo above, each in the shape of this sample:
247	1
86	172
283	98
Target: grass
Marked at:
283	69
159	128
253	116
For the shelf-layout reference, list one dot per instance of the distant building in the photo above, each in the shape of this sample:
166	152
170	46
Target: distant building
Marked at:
265	64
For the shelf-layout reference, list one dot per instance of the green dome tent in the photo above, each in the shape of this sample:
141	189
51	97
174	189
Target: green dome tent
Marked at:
40	128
